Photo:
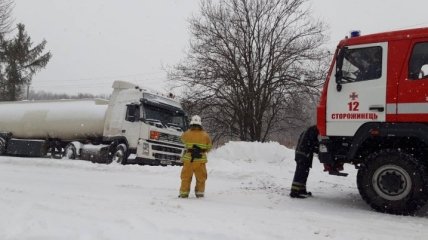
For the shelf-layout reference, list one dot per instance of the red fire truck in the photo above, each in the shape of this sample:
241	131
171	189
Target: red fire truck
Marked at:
373	113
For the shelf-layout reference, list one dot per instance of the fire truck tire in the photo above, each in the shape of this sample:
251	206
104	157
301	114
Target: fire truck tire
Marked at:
393	182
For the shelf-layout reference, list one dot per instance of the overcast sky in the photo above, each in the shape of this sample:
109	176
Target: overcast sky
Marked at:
95	42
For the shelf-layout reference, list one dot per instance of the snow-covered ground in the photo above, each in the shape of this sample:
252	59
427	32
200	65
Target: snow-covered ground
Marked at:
246	198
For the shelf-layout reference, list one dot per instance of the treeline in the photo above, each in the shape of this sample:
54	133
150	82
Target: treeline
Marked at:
43	95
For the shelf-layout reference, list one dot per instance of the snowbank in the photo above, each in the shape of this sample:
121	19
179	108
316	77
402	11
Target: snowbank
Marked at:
253	152
243	158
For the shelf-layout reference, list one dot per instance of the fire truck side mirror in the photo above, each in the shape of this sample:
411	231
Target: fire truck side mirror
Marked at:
338	77
339	62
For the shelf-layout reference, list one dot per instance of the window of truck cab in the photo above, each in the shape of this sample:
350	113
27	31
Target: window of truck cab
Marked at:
418	64
132	113
169	117
361	64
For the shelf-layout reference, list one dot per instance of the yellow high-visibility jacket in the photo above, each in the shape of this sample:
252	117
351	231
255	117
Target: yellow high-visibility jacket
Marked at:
196	136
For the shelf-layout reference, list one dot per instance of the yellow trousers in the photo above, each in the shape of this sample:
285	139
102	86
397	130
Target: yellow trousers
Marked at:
200	171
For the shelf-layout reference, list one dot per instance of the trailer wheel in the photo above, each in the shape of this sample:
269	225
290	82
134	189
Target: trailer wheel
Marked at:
2	146
56	153
70	151
55	149
120	155
393	182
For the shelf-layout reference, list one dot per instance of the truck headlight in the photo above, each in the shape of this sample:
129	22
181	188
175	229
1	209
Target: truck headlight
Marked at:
146	148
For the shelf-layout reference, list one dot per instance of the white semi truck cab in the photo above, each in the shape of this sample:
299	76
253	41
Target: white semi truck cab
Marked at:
134	122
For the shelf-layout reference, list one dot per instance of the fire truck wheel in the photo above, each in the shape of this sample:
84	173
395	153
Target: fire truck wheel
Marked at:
70	151
393	182
2	146
121	154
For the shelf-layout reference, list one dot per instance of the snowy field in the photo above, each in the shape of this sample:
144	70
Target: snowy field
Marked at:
246	198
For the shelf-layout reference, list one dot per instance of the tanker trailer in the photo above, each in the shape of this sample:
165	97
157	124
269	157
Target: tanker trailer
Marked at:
64	119
133	121
32	128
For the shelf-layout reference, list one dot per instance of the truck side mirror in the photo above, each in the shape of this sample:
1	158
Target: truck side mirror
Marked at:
339	63
338	77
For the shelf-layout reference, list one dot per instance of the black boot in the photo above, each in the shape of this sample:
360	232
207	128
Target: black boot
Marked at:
300	193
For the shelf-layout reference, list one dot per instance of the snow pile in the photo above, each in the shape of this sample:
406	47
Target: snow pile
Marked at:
253	152
246	198
251	157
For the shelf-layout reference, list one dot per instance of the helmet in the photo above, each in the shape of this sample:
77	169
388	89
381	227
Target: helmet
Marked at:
196	120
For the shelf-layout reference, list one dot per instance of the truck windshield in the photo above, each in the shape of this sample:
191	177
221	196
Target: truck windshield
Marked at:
168	117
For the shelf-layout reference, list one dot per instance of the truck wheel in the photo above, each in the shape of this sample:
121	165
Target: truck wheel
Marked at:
120	155
70	151
2	146
393	182
56	153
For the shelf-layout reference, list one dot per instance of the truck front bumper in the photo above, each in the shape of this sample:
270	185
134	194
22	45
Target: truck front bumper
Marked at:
157	162
324	154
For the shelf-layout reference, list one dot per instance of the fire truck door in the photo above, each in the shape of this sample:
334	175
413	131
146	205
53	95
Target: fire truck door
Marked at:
357	92
412	100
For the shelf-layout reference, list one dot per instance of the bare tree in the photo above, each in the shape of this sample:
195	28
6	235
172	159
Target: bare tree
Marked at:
250	63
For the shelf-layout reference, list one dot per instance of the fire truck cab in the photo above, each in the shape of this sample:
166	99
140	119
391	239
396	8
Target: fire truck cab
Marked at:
373	113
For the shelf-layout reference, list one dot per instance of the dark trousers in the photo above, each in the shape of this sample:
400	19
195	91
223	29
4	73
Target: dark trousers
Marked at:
303	166
305	149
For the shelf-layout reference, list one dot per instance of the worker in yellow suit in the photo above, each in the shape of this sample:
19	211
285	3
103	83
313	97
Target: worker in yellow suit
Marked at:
197	143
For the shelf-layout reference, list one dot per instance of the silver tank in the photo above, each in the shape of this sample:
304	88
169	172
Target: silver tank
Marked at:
63	119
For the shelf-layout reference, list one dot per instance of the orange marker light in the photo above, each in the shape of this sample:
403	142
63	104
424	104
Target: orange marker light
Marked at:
154	135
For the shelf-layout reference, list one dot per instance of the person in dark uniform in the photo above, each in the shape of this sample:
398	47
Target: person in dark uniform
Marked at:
306	147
